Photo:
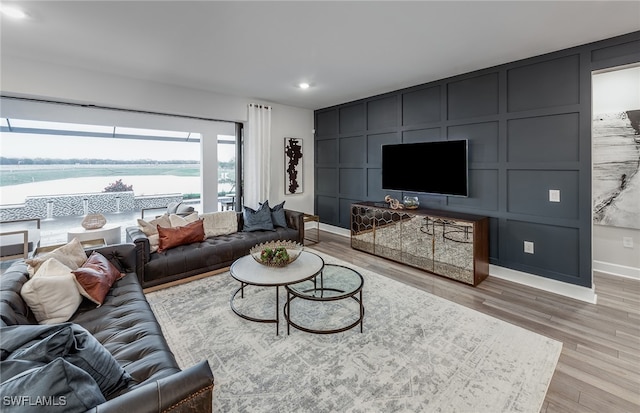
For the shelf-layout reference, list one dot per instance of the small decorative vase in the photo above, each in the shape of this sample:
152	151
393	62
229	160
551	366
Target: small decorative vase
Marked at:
411	202
93	221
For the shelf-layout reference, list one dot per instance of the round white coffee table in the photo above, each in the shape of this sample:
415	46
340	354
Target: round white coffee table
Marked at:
249	272
111	233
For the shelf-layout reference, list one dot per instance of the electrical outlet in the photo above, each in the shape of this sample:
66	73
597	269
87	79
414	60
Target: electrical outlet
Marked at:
554	195
528	247
627	242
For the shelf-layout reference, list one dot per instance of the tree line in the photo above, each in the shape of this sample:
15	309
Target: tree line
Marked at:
75	161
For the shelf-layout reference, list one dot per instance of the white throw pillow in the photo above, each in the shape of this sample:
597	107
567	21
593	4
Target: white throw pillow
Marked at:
178	221
220	223
52	293
71	255
154	242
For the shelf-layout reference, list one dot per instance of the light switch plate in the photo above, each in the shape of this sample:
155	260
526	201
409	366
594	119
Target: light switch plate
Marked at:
554	195
528	247
627	242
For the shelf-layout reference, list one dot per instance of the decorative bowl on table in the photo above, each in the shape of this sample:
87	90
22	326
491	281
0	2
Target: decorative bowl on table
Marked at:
411	202
93	221
276	253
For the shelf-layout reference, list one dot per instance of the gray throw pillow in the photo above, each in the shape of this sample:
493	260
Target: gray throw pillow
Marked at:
184	209
277	215
172	207
44	343
259	220
58	386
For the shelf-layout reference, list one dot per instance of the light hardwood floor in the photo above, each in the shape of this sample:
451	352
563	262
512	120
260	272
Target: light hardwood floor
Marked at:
599	368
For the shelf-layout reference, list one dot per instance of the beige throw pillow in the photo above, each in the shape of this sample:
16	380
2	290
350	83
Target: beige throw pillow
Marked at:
154	242
51	293
220	223
179	221
151	227
72	255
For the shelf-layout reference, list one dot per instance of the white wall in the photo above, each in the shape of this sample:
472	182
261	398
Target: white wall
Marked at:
616	91
31	78
297	127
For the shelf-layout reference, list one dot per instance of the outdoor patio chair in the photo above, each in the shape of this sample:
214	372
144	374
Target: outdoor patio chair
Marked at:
19	238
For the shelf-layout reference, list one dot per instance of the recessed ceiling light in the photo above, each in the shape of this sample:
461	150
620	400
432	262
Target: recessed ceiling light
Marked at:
12	12
303	85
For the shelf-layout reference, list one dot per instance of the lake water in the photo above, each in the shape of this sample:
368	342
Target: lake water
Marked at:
142	185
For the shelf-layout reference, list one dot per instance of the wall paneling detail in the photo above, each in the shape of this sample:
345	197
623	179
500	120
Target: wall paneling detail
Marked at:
528	124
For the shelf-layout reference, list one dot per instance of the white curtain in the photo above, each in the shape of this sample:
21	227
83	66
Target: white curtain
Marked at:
257	151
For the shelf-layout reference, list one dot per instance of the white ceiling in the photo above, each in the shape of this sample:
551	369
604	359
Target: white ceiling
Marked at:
345	50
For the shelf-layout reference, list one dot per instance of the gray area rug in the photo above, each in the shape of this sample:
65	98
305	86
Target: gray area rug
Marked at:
418	352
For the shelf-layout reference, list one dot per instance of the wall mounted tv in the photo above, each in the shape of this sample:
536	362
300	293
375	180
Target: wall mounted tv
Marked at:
428	167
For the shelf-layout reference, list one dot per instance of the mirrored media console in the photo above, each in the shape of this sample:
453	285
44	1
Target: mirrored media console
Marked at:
450	244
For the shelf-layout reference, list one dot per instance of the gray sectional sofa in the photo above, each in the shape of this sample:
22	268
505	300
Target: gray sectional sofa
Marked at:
142	373
214	253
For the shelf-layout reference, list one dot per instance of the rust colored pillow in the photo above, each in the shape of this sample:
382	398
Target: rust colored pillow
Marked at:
172	237
95	277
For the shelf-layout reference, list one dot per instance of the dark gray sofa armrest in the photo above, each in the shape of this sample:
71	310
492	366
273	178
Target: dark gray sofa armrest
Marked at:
141	241
136	236
295	220
190	390
123	256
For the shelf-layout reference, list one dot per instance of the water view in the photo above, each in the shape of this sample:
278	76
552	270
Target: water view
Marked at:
36	168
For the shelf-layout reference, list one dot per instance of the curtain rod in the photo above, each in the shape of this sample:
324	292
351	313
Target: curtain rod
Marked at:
260	106
82	105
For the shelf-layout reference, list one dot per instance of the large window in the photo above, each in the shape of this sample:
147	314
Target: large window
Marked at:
49	158
59	171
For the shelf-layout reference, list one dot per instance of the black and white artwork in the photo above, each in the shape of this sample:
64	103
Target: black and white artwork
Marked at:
616	161
293	166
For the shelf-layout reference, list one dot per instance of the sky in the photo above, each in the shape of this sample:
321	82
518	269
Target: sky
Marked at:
18	145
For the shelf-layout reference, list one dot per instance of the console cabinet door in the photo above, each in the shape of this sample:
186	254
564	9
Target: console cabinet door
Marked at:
388	234
362	228
453	249
417	242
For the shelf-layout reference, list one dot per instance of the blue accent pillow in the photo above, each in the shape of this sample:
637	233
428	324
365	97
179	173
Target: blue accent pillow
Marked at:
61	385
41	344
277	215
259	220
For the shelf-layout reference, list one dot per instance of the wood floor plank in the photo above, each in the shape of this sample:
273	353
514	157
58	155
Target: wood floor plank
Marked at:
599	367
613	361
620	377
569	375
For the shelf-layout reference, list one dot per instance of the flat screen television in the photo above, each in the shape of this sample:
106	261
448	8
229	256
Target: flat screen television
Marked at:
427	167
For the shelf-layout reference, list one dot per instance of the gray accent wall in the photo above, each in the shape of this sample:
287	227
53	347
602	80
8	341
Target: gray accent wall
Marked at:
528	124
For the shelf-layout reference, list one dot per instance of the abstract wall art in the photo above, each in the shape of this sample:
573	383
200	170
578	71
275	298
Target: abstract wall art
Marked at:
616	162
292	166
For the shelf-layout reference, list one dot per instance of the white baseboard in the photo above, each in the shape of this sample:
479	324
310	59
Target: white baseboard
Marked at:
546	284
557	287
335	230
616	269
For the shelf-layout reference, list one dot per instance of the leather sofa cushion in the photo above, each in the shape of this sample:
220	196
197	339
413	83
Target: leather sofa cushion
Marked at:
13	309
127	328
